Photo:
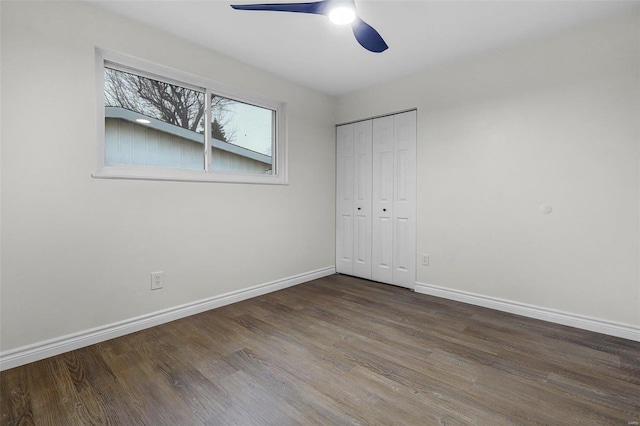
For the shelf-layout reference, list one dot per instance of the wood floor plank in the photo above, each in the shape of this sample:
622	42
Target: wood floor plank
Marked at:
338	350
317	407
14	391
265	407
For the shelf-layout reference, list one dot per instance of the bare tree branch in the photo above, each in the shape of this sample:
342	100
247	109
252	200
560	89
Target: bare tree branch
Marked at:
167	102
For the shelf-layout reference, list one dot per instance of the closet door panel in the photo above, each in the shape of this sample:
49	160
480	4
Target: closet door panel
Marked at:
404	201
362	198
344	199
382	228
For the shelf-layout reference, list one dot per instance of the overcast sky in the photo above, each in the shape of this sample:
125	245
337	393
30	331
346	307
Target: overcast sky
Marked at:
252	127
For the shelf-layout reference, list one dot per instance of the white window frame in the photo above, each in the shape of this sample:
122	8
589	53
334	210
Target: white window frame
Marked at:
148	69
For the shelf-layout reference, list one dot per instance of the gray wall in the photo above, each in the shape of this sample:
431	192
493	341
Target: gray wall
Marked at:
552	122
77	252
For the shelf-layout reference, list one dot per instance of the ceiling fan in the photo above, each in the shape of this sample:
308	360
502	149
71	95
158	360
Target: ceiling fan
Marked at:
340	12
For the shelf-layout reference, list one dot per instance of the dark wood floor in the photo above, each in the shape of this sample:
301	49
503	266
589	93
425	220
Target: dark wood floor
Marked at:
338	350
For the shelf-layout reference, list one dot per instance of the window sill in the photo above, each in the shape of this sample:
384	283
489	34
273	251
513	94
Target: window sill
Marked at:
185	175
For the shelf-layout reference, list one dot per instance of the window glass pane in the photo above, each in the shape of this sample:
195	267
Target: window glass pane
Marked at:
152	123
241	137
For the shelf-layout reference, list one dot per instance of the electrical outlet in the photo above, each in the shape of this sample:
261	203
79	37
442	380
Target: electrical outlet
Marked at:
157	280
425	259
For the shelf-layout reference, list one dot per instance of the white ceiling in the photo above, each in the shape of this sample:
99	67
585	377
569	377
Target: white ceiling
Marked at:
310	50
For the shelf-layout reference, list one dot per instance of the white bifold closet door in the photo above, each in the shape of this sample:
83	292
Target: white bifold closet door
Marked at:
394	195
353	221
344	199
376	192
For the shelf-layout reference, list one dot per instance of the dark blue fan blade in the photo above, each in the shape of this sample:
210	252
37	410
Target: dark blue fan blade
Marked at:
368	37
313	7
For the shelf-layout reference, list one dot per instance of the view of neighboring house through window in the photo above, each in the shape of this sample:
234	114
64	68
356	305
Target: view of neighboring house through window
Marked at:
150	121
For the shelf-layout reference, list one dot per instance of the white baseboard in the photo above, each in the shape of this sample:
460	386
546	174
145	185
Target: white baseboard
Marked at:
41	350
578	321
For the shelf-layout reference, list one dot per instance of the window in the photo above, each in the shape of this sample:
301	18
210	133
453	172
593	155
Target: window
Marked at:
157	123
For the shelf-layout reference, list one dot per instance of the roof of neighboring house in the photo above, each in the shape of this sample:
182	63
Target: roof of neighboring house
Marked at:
128	115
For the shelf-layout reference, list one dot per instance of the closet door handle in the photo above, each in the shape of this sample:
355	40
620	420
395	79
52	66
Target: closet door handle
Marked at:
384	210
359	208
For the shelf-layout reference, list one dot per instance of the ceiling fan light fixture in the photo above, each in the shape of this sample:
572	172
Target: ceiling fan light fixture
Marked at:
342	15
340	12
